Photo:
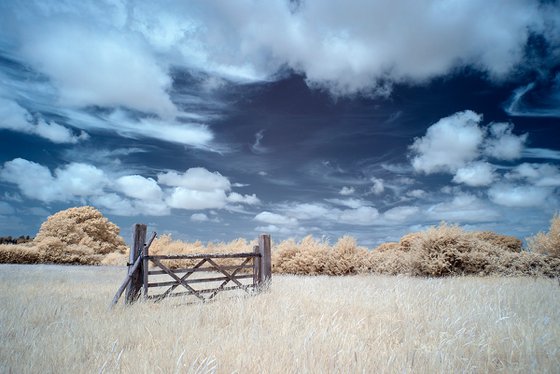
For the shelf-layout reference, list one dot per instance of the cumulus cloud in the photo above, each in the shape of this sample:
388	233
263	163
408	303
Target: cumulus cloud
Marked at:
448	144
15	118
463	208
540	175
364	216
475	174
358	46
199	179
237	198
502	143
93	65
196	189
520	196
378	186
350	203
199	217
458	144
345	191
138	187
37	182
401	213
275	219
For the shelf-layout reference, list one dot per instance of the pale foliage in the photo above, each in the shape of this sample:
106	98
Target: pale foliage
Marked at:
547	243
58	320
82	226
79	235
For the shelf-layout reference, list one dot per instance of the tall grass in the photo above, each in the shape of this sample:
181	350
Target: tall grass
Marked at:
55	319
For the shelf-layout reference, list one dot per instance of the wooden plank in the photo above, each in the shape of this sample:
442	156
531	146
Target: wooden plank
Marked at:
202	255
145	265
256	264
206	269
231	277
209	290
126	281
184	277
135	284
194	281
170	273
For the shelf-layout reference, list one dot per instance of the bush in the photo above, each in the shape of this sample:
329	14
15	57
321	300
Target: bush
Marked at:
84	226
547	243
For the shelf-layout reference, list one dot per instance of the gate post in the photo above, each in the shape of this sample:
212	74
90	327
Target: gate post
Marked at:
138	241
265	266
256	267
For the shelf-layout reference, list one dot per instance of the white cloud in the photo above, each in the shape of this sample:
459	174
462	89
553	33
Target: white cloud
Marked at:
345	191
274	230
307	211
94	65
401	213
416	193
550	154
198	179
275	219
475	174
350	203
190	199
541	175
345	47
463	208
169	130
237	198
521	196
77	179
502	143
448	144
33	180
138	187
199	217
15	118
378	186
364	215
457	144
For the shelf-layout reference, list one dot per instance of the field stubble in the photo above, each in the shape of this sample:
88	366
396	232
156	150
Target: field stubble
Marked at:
55	319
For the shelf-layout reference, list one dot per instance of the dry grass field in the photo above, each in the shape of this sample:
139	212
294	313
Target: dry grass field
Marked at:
55	319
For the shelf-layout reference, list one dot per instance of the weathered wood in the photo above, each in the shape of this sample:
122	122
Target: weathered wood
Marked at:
199	280
209	290
231	277
204	269
184	277
145	265
172	275
256	265
135	284
202	255
265	271
126	281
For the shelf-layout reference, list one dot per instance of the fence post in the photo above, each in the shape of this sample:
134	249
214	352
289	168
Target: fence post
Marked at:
265	266
145	264
256	267
138	241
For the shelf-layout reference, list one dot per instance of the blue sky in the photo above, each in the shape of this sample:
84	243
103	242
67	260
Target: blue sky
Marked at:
214	120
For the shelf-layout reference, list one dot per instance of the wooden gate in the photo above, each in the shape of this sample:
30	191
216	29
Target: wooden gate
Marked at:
201	270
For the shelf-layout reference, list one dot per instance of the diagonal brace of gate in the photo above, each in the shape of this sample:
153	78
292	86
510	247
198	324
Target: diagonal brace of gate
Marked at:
174	276
230	277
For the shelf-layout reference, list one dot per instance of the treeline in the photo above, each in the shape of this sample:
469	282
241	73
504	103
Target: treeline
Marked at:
19	240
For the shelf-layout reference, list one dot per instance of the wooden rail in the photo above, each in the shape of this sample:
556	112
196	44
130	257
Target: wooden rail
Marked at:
137	281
